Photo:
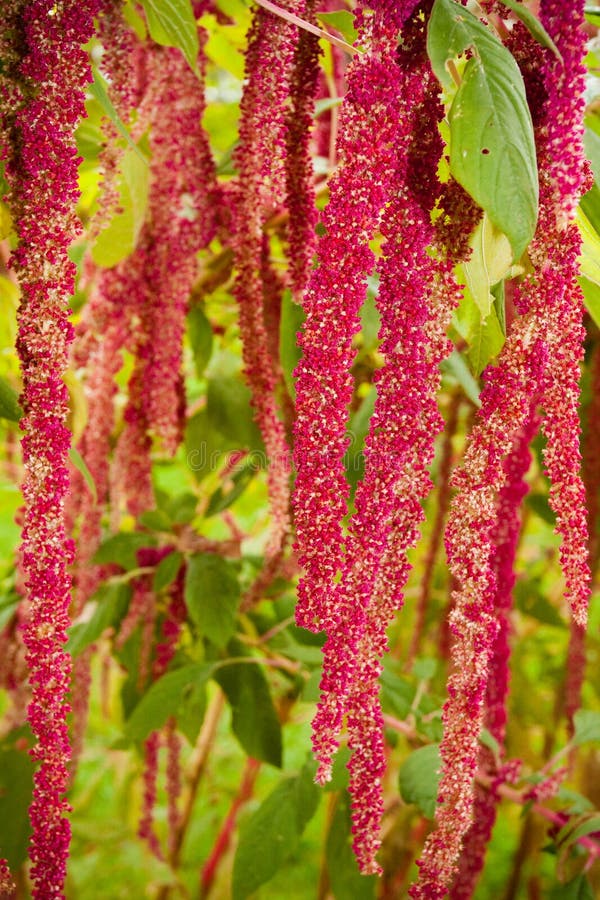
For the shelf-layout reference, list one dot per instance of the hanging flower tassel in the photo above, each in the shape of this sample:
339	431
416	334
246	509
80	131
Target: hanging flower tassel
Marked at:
504	540
48	100
358	191
543	349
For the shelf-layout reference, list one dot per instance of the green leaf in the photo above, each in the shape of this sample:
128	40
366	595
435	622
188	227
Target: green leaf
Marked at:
98	90
358	430
591	298
165	698
291	323
346	881
171	23
419	778
588	823
486	340
212	596
228	404
16	785
254	720
9	402
533	24
272	834
456	366
578	888
224	496
201	338
591	142
80	464
122	549
111	602
342	20
587	727
492	148
490	261
166	570
119	238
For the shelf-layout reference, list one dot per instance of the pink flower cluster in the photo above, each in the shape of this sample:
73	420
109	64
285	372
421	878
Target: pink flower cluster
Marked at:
46	98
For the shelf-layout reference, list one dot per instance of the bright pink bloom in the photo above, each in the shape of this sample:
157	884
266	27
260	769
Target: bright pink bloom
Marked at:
42	173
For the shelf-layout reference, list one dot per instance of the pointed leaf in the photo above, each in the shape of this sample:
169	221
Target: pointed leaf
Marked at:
171	23
419	778
212	596
254	720
165	698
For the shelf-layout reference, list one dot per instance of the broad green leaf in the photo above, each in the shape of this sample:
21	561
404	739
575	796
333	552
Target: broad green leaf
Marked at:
346	881
171	23
229	410
201	338
205	445
490	261
455	365
419	778
16	785
485	341
591	298
588	823
111	602
167	569
155	520
342	20
9	402
590	206
254	719
212	596
119	238
591	143
357	431
98	90
531	22
122	549
223	497
492	149
587	727
273	832
589	262
164	698
80	464
578	888
291	323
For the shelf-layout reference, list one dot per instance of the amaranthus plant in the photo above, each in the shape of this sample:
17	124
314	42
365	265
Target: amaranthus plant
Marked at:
300	400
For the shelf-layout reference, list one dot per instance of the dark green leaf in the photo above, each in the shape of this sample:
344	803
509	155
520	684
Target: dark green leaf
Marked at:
9	402
79	462
492	149
171	23
111	603
201	338
342	20
155	520
534	25
578	888
254	720
229	410
456	366
165	698
224	496
99	92
588	823
167	569
273	832
212	596
419	778
346	881
291	323
357	431
182	508
204	444
587	727
16	785
122	548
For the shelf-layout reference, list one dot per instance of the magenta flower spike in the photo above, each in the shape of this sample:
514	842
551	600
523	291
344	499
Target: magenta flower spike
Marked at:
40	112
543	348
358	191
504	539
260	191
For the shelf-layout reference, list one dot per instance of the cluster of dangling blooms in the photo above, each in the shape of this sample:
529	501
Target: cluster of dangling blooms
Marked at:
385	192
